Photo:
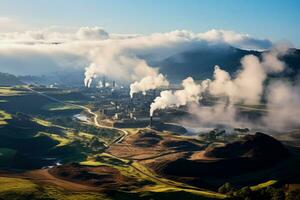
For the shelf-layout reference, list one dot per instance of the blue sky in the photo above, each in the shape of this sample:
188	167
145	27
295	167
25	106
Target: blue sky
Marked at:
273	19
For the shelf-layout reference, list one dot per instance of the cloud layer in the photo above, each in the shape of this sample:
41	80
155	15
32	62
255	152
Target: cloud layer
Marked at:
118	56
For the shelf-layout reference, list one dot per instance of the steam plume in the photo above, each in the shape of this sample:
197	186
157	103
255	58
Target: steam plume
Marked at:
248	85
148	83
283	106
89	75
191	92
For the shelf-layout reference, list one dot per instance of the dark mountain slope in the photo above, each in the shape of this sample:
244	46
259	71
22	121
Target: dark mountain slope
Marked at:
251	146
252	153
200	63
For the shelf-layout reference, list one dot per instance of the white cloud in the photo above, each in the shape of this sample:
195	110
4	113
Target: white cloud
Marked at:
118	56
239	40
92	33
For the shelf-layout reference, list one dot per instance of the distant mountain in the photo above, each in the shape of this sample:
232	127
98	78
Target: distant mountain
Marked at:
200	63
9	80
70	78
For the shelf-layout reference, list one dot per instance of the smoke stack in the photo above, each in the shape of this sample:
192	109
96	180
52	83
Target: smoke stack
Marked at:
104	82
151	121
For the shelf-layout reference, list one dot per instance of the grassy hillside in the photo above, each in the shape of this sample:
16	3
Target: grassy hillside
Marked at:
21	189
42	132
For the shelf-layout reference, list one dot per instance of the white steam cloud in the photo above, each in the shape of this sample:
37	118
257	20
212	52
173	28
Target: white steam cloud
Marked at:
208	116
283	106
191	93
248	85
148	83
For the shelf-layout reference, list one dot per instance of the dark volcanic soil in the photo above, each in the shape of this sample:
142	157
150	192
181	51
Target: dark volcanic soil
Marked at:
253	152
102	176
182	145
258	146
147	139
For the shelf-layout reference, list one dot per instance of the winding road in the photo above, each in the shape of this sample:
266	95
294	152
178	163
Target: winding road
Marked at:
95	116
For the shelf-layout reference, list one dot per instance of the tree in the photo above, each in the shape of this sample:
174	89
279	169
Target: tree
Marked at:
275	194
226	188
294	195
244	193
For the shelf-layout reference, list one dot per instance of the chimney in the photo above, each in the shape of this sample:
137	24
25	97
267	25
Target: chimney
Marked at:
104	82
151	121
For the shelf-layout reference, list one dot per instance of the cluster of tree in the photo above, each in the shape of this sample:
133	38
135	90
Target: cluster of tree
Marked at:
214	134
268	193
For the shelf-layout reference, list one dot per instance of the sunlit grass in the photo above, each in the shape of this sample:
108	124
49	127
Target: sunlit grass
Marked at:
161	188
16	185
16	188
263	185
91	163
166	185
104	159
141	173
4	116
61	140
59	194
9	91
42	122
86	135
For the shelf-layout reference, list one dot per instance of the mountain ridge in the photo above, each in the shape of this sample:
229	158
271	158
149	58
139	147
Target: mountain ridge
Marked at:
200	63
